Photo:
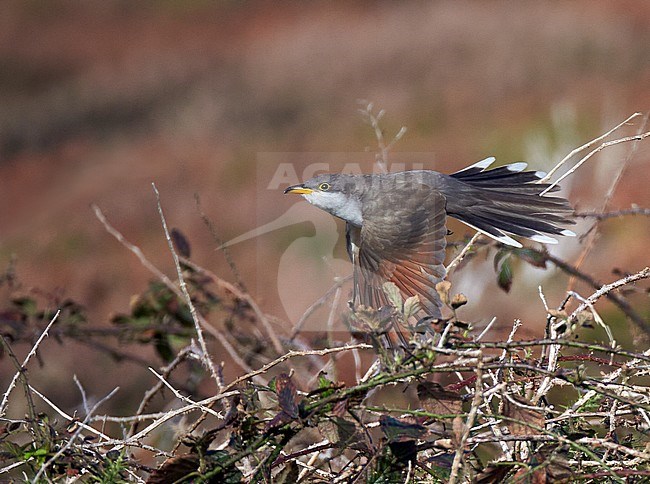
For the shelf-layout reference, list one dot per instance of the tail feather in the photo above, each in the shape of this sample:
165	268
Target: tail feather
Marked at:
524	227
507	200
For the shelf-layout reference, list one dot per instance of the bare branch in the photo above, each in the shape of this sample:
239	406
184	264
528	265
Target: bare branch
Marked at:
606	289
205	356
32	352
461	255
614	214
626	139
550	174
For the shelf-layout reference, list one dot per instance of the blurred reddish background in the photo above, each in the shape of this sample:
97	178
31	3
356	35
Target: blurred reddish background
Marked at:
100	98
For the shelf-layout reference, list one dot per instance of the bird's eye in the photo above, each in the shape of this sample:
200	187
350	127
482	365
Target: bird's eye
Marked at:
324	187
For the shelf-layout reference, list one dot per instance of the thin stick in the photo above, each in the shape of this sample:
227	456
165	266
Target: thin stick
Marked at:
592	233
317	304
471	417
381	158
293	354
22	376
614	214
604	145
607	288
227	391
550	174
32	352
182	397
551	367
149	394
597	318
240	294
205	356
461	255
133	248
487	328
84	398
616	298
220	244
69	417
609	378
14	465
118	444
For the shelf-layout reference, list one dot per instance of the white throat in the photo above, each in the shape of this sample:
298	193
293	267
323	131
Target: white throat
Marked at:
338	204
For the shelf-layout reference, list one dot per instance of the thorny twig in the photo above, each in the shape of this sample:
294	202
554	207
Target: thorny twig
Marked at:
592	233
561	163
615	297
626	139
606	289
477	400
599	215
242	295
205	354
32	352
461	255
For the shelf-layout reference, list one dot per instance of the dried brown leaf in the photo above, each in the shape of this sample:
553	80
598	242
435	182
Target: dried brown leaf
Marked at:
536	476
443	288
528	420
343	433
287	394
174	469
458	300
493	473
435	399
411	306
288	475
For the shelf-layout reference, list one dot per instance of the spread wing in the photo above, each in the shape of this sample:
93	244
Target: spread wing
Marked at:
402	240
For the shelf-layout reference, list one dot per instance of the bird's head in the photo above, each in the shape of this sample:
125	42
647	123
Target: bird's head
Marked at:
337	194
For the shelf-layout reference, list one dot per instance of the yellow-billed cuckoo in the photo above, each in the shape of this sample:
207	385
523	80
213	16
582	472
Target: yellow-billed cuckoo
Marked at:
396	221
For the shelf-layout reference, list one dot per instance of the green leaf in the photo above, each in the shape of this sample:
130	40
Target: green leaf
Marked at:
40	452
503	268
163	347
27	305
323	381
533	257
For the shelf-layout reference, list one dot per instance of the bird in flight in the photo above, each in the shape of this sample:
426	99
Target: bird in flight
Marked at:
395	222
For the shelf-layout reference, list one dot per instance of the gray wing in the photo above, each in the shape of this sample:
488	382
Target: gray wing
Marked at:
402	240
